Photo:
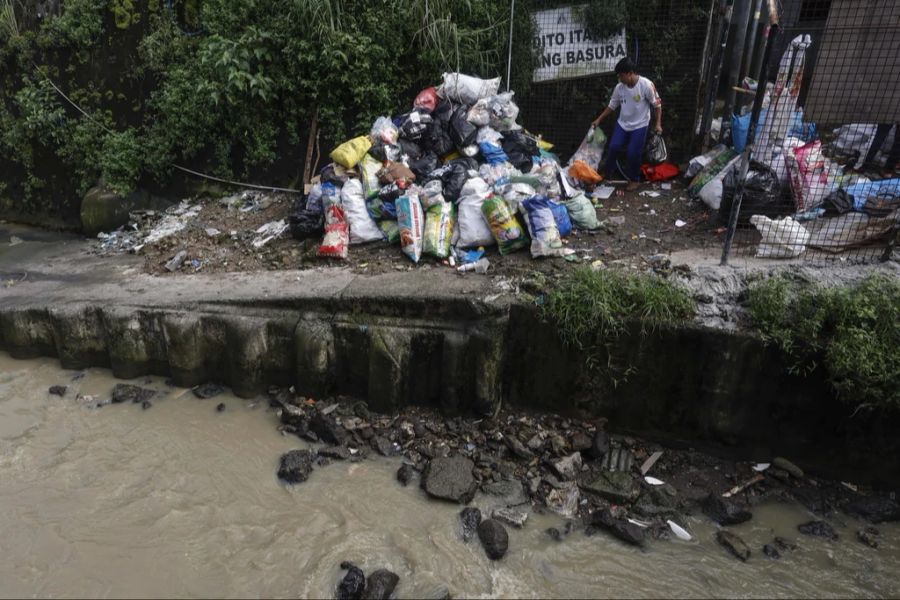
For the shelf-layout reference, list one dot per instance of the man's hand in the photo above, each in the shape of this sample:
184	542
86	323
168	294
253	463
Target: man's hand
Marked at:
596	122
658	129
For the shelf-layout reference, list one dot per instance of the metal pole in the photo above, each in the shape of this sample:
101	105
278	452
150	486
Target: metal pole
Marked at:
751	136
512	15
760	46
716	71
741	19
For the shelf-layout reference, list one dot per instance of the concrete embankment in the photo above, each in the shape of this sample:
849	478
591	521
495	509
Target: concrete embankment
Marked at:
426	337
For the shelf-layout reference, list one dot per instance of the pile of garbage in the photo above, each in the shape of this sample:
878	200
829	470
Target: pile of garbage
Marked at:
452	176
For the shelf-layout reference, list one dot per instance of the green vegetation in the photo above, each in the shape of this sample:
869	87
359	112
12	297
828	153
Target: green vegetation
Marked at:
853	333
594	309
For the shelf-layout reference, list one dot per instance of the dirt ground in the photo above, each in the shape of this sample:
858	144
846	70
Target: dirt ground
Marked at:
636	226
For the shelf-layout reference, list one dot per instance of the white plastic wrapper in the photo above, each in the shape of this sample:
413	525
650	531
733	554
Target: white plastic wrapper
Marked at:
473	228
489	135
362	228
467	89
781	238
385	131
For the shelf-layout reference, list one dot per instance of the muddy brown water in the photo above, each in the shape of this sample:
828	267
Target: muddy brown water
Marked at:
181	501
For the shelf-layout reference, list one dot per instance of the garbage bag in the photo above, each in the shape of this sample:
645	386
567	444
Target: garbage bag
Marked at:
337	233
409	150
437	139
474	230
781	238
838	202
391	192
427	99
362	228
582	212
545	238
333	173
655	151
863	191
466	89
590	151
496	175
480	113
582	172
503	112
520	149
432	193
547	171
462	133
810	174
415	124
443	112
385	152
305	223
488	134
368	173
439	221
395	171
561	216
384	131
660	172
515	193
424	165
314	199
505	227
740	128
762	194
698	162
351	152
412	226
492	153
331	195
379	208
391	231
454	180
799	129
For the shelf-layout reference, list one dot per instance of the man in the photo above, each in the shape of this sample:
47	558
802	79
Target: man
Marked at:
636	98
893	157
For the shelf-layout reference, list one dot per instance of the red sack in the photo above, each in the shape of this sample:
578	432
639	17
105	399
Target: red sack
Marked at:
427	99
337	233
659	172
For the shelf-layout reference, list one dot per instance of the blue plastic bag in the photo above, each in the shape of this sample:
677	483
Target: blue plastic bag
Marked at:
492	153
561	216
863	191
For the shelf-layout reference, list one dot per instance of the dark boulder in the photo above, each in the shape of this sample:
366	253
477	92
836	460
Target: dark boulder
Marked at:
818	529
494	538
724	511
382	445
622	529
380	584
599	445
296	466
352	585
146	404
335	452
868	536
124	392
734	544
328	430
771	551
220	407
450	478
206	391
57	390
405	474
875	509
470	518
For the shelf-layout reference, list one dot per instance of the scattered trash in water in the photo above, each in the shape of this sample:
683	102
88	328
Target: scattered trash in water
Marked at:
654	480
679	531
760	467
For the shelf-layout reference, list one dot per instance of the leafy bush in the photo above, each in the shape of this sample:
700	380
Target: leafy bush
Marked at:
853	333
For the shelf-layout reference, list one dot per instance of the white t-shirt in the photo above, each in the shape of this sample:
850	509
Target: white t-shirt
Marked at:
635	102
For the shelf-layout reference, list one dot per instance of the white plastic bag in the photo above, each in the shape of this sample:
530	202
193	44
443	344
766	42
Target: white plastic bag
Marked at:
711	193
473	228
362	228
515	193
503	112
489	135
480	113
384	130
781	238
467	89
432	194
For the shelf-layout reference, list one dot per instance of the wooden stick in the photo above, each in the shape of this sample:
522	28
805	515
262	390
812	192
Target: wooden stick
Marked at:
739	488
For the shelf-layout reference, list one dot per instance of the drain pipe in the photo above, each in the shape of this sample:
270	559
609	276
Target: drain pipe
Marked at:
762	77
741	21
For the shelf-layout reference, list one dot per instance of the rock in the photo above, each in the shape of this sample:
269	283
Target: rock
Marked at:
328	430
599	445
382	445
734	543
470	518
580	441
616	487
818	529
494	538
176	261
405	474
567	467
57	390
724	511
124	392
440	592
510	516
516	447
206	391
785	465
335	452
657	501
563	500
220	407
296	466
771	551
868	536
352	585
450	478
875	509
380	584
624	530
784	545
510	491
146	404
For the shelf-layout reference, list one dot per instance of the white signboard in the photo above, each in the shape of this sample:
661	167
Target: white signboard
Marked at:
568	51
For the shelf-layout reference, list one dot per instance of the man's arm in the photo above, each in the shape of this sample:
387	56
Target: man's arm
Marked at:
658	111
606	112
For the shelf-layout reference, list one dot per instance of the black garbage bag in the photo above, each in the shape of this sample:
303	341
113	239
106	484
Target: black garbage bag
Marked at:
424	165
415	124
443	112
384	152
391	192
329	175
762	194
655	151
519	149
437	139
454	180
410	149
305	224
838	202
462	132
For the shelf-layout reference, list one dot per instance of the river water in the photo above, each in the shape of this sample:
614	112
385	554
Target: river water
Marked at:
180	500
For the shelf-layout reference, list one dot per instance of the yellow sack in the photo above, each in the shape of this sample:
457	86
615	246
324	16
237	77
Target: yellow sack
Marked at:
351	152
544	145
